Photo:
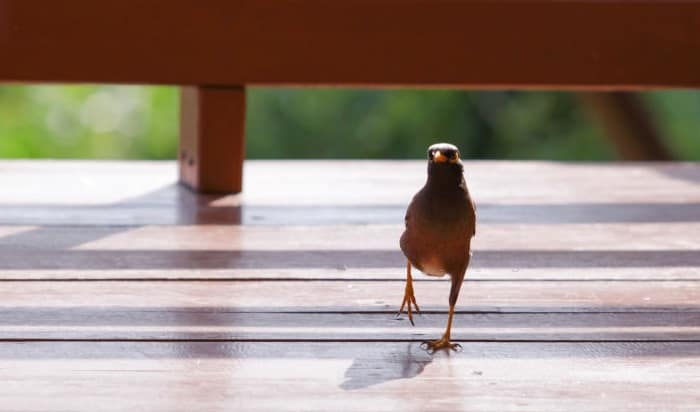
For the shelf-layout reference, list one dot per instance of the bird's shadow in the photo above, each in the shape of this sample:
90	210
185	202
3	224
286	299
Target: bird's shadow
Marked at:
383	366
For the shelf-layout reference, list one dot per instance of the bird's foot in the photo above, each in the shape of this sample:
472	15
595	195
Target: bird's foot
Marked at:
433	346
408	300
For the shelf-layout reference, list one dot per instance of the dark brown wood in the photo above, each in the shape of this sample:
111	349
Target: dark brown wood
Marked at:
362	43
502	43
628	124
212	142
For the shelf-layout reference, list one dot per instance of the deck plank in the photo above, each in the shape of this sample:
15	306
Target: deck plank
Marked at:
174	376
342	186
122	289
476	274
356	296
504	251
192	324
501	236
337	259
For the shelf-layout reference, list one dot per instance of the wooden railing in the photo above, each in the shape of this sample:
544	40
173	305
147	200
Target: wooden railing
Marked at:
218	47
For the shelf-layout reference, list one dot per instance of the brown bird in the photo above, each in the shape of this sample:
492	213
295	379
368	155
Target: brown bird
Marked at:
440	223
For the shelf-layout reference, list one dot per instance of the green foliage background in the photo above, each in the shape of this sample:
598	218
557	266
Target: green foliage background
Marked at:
135	122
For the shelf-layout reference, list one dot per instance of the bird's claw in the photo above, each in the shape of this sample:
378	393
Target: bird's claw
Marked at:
408	300
433	346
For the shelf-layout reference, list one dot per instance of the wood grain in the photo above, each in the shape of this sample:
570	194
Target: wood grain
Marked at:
476	274
363	296
247	252
358	43
212	141
643	237
515	260
345	192
121	289
225	324
182	376
343	185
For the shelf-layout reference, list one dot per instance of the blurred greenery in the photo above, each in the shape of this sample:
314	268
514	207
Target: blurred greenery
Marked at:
134	122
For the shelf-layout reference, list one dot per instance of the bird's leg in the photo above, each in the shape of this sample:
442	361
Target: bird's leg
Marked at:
408	298
444	342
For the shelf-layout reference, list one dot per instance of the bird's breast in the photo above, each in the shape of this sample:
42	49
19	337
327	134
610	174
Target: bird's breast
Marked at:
431	265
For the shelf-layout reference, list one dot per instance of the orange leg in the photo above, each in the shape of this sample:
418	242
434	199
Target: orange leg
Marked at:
408	298
444	342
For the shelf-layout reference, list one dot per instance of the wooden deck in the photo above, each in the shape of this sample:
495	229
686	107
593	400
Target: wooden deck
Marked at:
123	291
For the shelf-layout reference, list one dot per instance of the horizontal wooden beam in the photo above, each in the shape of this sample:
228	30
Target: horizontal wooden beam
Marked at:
621	44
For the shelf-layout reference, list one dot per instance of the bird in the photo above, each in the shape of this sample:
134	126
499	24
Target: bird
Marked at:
440	223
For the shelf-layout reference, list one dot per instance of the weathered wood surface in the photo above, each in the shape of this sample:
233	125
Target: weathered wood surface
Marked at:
123	290
287	376
497	43
226	324
349	183
374	296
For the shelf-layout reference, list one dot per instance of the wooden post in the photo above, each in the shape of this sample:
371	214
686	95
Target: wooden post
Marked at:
628	124
212	138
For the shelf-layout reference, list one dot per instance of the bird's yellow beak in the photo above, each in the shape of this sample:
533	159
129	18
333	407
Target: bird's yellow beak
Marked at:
439	157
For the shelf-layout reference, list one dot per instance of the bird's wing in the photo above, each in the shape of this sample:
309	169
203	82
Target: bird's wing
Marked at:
410	207
473	216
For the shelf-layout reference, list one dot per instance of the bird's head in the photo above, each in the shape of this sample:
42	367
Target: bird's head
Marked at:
444	165
443	153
